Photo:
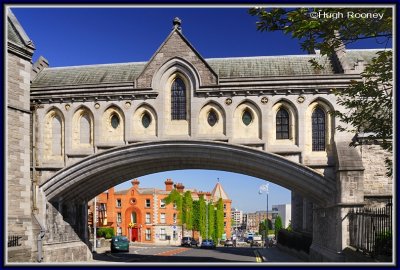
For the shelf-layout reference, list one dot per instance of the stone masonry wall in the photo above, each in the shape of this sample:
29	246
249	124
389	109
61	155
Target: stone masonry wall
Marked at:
18	163
175	46
375	180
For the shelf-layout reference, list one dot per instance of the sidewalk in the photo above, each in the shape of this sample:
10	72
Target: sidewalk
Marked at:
274	254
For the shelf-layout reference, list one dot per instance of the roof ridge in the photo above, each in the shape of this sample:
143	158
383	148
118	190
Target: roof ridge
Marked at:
265	56
97	65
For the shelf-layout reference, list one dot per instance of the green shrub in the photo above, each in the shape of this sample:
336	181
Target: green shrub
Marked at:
105	232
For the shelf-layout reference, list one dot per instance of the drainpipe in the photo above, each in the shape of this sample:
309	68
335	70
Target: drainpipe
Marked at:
34	190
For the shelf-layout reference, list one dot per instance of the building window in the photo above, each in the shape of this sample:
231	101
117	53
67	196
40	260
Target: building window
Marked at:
224	215
146	120
147	203
247	118
162	203
119	231
57	128
212	118
119	217
174	204
119	203
162	234
282	124
148	218
178	100
224	206
84	129
224	224
162	218
174	218
114	121
148	234
174	235
318	130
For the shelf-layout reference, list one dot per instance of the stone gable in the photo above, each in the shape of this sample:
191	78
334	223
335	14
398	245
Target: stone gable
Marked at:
176	46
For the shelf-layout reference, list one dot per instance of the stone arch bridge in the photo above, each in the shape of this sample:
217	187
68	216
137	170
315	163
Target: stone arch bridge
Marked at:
93	127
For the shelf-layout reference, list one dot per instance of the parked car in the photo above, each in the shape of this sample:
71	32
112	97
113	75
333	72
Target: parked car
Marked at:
228	243
119	243
189	242
208	243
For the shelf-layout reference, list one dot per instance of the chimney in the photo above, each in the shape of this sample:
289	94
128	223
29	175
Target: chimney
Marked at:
135	183
179	187
38	66
168	184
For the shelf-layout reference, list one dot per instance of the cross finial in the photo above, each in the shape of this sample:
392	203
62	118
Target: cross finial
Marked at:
177	24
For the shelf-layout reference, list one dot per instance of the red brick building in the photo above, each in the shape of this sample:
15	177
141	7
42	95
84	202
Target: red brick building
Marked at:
143	216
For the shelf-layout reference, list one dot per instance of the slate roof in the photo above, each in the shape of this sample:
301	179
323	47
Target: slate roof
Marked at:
353	55
218	192
239	67
93	74
15	32
264	66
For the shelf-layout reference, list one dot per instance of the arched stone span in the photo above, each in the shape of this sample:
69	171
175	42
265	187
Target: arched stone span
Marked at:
93	175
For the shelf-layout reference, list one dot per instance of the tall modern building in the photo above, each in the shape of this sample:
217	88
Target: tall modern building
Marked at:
285	212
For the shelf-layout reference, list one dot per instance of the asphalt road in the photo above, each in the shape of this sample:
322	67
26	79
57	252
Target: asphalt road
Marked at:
165	254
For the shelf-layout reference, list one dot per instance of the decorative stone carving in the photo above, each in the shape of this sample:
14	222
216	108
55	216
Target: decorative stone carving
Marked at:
264	100
228	101
301	99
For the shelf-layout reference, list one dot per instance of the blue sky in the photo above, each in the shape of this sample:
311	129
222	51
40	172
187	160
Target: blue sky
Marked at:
85	36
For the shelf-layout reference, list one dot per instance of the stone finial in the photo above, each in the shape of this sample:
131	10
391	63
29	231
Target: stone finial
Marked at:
135	183
177	24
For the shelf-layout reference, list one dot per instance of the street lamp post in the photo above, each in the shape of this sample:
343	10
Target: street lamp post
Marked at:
264	188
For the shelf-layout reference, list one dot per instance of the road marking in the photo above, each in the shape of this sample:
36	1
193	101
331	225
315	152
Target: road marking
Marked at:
172	252
258	258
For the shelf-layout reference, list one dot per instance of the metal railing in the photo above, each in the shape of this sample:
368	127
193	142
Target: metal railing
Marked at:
371	230
13	240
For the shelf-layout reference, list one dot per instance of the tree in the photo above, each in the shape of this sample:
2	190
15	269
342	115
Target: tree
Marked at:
202	216
196	216
187	208
261	227
369	102
211	221
219	219
278	225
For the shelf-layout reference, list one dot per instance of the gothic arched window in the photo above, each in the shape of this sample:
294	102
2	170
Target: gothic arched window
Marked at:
318	130
84	129
178	100
282	124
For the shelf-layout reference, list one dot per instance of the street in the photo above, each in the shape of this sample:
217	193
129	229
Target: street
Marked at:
157	254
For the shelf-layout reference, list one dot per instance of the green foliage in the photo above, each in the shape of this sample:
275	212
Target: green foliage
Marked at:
175	197
107	233
261	227
187	208
219	219
289	227
202	217
368	103
278	224
211	221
